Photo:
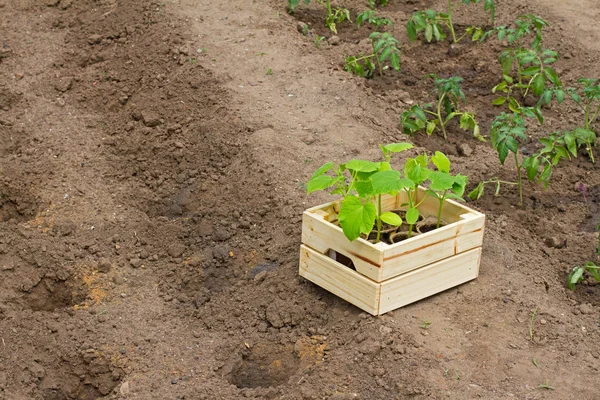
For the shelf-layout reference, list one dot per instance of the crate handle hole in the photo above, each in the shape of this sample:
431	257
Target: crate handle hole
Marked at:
342	259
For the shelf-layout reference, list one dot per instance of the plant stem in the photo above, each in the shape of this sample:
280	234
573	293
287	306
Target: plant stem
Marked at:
439	214
519	183
439	115
378	219
450	25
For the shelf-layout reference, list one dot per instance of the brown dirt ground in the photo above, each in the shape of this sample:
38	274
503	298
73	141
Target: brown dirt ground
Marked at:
150	171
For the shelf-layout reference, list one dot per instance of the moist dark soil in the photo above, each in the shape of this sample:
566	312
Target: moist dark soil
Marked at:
152	162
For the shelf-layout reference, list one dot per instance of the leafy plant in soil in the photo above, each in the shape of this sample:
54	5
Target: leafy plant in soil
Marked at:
587	97
361	184
443	185
432	23
506	132
526	68
332	17
385	51
577	274
449	95
371	17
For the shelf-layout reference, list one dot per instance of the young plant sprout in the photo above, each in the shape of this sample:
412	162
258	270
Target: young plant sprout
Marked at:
332	17
449	96
577	273
587	97
433	22
385	49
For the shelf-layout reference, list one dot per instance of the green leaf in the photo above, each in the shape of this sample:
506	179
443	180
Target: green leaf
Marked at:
411	30
322	169
440	181
364	188
412	216
429	32
499	101
356	218
431	125
321	182
575	276
442	162
391	218
398	147
552	76
362	165
386	182
538	84
560	95
476	193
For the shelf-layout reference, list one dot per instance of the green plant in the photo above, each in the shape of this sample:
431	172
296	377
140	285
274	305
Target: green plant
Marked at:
577	273
425	325
415	173
373	3
506	132
385	50
546	385
556	146
361	184
269	71
318	41
432	23
531	322
449	95
332	17
587	97
444	185
371	17
526	65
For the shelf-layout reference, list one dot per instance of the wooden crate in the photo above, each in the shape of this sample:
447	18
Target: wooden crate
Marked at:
390	276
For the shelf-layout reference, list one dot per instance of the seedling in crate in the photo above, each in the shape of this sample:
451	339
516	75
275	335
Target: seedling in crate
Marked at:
361	184
333	16
416	172
432	23
577	273
444	185
385	50
449	96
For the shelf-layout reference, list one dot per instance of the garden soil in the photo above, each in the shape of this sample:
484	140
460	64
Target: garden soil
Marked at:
152	165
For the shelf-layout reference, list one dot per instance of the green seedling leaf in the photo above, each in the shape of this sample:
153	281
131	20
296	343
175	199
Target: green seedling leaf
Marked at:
391	218
356	217
538	83
386	182
412	216
320	182
476	193
398	147
440	181
499	101
442	162
322	169
362	166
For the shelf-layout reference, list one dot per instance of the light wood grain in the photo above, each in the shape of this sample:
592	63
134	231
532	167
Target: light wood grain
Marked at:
339	280
429	280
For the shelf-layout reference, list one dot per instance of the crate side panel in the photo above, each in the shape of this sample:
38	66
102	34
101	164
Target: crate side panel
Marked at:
339	280
429	280
322	236
433	246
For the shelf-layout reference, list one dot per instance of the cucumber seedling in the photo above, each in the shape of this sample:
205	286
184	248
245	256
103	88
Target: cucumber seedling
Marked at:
361	184
371	17
333	16
449	96
385	51
443	185
432	23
